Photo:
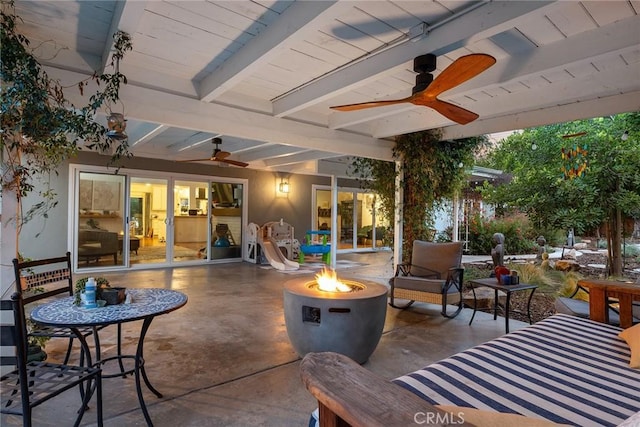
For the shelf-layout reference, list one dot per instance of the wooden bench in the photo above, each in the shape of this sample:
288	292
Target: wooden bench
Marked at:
601	291
332	377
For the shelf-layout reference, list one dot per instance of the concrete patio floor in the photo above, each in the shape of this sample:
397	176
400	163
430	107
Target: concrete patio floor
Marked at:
224	359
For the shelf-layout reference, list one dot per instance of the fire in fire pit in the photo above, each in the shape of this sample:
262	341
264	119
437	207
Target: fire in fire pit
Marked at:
327	281
327	314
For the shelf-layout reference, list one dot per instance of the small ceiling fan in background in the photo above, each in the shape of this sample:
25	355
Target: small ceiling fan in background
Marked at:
219	156
427	89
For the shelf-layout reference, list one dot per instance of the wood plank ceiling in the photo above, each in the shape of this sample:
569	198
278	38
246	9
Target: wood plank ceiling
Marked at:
262	74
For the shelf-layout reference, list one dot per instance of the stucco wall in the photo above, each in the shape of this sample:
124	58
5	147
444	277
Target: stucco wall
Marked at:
45	237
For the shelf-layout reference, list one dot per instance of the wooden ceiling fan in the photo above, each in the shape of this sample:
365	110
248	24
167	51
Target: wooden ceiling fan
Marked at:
427	89
219	156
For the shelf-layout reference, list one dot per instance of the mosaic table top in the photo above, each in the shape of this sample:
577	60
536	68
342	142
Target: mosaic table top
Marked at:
144	303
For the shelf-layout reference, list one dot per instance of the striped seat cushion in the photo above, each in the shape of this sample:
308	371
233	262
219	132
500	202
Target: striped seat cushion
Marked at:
563	369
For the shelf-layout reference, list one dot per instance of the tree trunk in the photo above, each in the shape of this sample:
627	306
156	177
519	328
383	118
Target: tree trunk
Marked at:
615	243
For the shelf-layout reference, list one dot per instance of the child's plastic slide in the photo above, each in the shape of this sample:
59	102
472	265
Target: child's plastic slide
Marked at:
275	257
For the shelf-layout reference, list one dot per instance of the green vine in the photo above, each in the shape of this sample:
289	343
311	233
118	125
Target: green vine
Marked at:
40	127
432	172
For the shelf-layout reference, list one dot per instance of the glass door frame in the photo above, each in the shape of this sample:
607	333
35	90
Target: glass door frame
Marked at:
354	192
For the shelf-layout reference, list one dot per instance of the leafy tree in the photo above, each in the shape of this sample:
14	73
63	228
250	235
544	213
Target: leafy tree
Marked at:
432	171
605	191
40	128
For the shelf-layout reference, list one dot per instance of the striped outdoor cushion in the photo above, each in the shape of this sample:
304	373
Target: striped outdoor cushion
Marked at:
563	369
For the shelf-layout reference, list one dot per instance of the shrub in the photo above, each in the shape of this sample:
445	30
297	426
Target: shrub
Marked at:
631	251
628	250
519	235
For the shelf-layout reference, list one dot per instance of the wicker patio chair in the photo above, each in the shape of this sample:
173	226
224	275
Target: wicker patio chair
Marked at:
435	275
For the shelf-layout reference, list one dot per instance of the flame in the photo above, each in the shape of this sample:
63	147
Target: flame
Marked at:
328	281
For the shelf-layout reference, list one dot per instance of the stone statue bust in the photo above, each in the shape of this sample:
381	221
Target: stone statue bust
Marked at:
497	253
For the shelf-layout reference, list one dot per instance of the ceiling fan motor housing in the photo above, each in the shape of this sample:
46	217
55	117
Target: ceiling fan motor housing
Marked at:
424	63
422	81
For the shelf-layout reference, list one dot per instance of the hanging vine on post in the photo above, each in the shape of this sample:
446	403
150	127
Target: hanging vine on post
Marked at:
40	127
433	171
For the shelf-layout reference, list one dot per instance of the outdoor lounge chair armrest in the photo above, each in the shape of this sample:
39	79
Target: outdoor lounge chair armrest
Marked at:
348	393
403	269
454	278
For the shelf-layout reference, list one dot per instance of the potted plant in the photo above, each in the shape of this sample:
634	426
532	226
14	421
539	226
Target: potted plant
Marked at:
35	348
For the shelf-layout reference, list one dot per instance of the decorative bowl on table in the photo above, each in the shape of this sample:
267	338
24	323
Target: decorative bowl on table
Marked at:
114	296
502	271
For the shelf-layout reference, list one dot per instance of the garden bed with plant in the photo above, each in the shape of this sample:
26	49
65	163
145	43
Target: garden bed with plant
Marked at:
552	283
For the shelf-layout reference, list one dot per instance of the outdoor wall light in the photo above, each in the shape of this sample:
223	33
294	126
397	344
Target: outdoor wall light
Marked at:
284	186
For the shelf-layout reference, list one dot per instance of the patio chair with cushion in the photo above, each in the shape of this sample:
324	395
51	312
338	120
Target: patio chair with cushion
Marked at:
33	383
435	275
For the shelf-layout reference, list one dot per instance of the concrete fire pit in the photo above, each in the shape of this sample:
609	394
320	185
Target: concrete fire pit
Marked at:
349	322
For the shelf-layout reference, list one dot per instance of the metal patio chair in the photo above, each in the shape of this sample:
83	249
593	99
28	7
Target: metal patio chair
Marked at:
33	383
45	278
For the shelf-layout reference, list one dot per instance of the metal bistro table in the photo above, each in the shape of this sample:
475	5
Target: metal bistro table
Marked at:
508	289
145	305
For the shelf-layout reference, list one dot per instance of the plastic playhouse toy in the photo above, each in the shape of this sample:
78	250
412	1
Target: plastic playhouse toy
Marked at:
321	248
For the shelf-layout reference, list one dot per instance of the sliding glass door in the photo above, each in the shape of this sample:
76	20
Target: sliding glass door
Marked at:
143	219
359	222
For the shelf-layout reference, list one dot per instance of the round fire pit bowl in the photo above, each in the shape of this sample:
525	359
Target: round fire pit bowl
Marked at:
349	323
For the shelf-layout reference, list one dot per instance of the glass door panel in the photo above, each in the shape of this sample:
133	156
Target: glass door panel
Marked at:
190	220
323	210
226	220
365	220
148	221
101	220
346	224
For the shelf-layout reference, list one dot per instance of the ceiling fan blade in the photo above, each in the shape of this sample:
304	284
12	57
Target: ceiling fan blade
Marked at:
196	160
450	111
234	162
462	69
363	105
219	155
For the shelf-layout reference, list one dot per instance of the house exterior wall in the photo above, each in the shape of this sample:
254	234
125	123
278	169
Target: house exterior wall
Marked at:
46	237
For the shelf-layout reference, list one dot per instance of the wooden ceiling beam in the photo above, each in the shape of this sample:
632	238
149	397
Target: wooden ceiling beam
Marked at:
297	21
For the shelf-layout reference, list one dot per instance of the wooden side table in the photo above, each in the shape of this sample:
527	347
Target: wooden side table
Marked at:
600	291
508	289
